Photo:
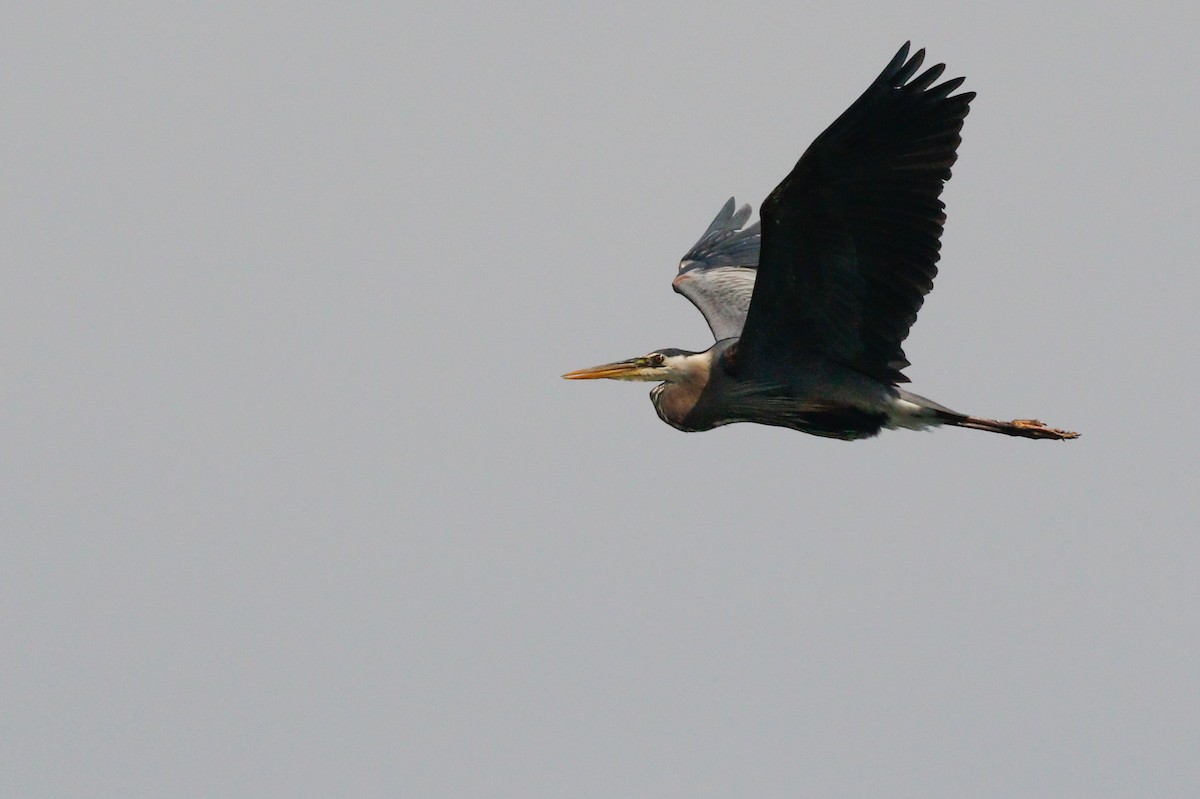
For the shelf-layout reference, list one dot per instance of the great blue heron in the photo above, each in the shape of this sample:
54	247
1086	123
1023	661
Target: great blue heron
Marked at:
809	306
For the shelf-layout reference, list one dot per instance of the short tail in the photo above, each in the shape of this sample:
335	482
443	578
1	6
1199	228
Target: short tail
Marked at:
1024	428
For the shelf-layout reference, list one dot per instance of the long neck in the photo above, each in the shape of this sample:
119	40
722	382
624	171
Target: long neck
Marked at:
676	399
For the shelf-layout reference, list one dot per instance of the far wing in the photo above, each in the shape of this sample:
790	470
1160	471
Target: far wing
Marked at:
717	274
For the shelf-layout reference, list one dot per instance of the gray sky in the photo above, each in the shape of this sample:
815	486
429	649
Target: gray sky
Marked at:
295	503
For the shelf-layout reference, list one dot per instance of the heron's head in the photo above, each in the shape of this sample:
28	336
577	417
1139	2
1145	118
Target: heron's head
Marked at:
667	365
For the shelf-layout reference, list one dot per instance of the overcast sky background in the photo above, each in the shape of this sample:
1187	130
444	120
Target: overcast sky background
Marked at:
294	502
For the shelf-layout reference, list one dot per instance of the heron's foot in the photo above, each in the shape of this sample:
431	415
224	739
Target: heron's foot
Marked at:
1051	432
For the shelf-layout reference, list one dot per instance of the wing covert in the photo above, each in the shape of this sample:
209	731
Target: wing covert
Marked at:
717	273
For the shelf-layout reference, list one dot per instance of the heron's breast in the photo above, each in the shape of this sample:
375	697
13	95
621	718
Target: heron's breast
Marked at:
676	404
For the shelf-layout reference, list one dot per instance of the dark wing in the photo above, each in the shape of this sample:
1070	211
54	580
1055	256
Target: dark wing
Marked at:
717	274
850	238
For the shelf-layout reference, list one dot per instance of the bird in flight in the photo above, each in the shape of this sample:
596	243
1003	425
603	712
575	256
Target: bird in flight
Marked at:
809	306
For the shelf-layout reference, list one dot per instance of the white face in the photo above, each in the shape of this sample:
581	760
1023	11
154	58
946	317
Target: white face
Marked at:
675	368
683	366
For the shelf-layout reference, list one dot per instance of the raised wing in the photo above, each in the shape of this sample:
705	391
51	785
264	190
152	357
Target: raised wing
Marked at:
717	274
850	238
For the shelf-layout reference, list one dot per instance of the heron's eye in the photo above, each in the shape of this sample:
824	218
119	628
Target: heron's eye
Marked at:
655	359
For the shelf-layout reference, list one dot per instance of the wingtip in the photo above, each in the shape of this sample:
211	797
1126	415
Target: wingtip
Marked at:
897	60
902	68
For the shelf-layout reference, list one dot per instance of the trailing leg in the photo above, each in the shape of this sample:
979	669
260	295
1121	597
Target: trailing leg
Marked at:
1024	428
